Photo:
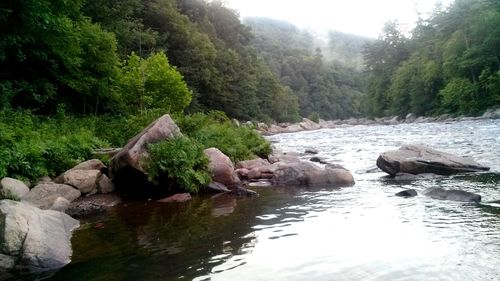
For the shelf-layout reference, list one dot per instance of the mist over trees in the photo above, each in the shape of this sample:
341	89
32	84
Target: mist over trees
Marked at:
448	64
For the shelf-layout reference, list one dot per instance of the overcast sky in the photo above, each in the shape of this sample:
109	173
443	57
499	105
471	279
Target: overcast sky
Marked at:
361	17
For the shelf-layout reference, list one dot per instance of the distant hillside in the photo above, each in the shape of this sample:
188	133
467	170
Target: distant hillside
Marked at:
308	65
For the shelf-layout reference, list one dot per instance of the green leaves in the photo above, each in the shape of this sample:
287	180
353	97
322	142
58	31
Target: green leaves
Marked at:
178	163
153	84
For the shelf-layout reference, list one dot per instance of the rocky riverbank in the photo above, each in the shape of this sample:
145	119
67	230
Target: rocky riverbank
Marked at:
308	125
51	205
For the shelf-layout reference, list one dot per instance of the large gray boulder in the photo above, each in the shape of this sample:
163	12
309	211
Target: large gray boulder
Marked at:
418	159
32	239
45	195
132	154
10	187
452	194
304	173
221	167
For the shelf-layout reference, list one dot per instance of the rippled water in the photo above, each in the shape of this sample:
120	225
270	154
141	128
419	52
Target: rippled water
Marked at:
358	233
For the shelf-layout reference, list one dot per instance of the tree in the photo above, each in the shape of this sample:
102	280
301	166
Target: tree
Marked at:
153	83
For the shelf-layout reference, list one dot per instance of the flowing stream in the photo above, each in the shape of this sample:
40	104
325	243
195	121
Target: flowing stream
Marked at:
362	232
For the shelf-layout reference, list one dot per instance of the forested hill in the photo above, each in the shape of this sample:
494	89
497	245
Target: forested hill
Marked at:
130	56
124	57
325	87
450	63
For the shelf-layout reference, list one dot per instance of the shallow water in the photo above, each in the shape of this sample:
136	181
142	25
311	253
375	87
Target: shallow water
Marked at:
357	233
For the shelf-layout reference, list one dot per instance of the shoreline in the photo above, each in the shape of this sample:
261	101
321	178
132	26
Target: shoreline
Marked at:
309	125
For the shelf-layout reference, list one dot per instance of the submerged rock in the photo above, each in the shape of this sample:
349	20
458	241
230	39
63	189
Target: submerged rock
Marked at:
418	159
407	193
32	239
179	198
92	205
452	194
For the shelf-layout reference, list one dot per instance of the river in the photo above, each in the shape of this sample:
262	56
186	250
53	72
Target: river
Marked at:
362	232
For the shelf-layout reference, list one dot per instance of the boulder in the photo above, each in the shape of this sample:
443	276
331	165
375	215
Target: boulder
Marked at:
32	239
61	204
491	113
418	159
93	164
105	185
45	195
179	198
136	149
250	164
452	194
407	193
92	205
12	187
83	180
308	125
221	167
305	173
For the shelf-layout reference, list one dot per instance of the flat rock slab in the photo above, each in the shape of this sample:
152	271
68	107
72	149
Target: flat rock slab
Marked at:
418	159
92	205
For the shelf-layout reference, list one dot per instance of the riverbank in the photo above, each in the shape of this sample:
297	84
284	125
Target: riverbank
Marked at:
308	125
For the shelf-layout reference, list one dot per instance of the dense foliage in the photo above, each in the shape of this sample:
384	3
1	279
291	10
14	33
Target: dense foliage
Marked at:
450	64
32	147
178	162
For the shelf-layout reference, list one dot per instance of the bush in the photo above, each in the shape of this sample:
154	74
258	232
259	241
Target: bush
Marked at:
216	130
32	146
179	161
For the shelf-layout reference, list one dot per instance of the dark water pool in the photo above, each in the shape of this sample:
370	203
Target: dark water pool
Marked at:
358	233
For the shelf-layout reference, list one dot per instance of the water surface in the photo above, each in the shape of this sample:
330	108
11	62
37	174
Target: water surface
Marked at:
362	232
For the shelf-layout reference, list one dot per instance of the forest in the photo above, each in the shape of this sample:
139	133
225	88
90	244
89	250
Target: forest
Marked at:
125	57
449	64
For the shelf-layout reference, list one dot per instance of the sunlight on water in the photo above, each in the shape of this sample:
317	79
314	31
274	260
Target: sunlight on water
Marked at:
362	232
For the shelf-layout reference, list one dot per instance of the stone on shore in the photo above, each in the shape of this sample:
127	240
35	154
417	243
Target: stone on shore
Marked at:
92	164
45	195
32	239
221	168
83	180
12	187
132	154
418	159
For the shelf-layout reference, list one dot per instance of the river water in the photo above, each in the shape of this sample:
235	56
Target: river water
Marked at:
362	232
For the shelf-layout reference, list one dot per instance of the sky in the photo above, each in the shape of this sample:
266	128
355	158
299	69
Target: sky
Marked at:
361	17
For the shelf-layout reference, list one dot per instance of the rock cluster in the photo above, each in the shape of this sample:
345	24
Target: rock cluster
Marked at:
306	124
36	231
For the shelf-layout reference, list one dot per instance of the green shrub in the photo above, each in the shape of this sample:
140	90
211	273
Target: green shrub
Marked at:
33	146
216	130
180	161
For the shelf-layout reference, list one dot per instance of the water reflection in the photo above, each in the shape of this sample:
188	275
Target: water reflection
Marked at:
358	233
